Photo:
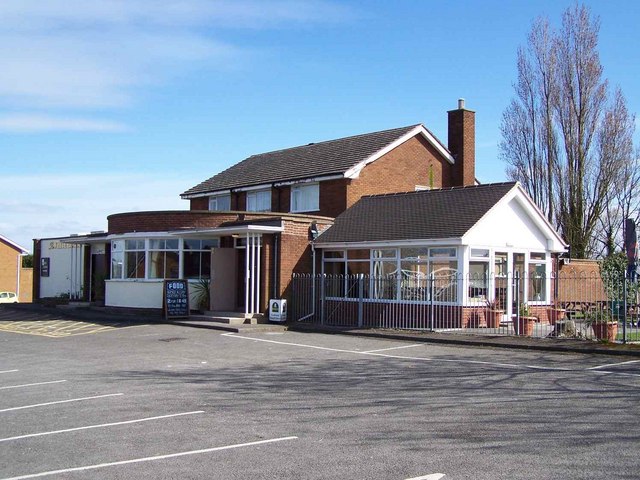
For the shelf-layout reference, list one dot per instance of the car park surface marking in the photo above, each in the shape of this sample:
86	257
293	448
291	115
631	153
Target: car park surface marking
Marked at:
394	348
400	357
377	353
31	384
613	364
150	459
9	371
89	427
59	328
61	401
433	476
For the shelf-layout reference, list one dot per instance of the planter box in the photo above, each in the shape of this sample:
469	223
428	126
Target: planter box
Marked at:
523	326
607	331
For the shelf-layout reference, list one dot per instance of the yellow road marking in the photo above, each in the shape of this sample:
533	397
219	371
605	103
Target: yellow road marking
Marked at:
57	328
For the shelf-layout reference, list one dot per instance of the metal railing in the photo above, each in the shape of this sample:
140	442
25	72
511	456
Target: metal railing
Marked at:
565	305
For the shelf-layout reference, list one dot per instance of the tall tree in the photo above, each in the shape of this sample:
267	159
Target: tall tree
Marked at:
564	137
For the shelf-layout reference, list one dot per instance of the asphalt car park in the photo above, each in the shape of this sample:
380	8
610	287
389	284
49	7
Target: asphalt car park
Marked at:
165	401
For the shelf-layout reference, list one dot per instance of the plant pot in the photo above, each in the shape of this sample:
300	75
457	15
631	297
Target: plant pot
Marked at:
523	326
607	331
555	315
494	317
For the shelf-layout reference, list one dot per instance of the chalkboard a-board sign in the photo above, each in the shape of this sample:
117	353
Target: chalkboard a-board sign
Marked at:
176	298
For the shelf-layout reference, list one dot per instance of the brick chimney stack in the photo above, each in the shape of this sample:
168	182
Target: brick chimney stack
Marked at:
462	145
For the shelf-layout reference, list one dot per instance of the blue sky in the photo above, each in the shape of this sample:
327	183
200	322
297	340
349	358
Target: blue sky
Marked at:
110	106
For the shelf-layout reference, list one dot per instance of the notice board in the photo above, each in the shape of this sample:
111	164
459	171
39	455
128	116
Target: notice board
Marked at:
176	298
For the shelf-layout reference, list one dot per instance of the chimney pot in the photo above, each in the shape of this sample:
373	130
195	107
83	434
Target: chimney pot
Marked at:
460	103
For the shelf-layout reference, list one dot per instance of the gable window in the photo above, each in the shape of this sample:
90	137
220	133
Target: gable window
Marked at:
259	201
305	198
220	202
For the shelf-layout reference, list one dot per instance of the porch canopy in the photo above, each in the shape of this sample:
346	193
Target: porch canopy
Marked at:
251	232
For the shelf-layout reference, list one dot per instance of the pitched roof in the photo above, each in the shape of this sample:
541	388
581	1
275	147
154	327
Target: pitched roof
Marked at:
430	214
13	244
308	161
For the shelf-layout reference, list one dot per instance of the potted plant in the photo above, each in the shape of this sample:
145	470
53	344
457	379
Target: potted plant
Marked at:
494	313
555	313
202	291
603	325
523	322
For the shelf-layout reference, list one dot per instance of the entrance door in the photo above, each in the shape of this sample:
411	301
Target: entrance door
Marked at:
519	280
501	292
98	275
224	276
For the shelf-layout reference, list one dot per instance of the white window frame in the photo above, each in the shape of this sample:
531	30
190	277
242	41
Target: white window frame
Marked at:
305	197
215	200
259	201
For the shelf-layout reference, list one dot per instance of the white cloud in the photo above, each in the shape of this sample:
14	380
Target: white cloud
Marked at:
55	205
79	54
28	123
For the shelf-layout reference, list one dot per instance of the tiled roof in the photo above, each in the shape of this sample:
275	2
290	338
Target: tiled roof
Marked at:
307	161
431	214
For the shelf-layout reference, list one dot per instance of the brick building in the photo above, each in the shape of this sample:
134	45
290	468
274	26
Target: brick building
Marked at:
14	278
249	228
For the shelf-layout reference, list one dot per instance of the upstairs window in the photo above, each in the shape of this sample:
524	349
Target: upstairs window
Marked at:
259	201
305	198
220	202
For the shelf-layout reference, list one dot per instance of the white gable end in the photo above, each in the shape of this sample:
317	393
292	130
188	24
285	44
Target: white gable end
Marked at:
508	225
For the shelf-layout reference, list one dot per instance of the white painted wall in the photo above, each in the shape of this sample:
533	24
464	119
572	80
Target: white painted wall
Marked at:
60	265
508	225
138	294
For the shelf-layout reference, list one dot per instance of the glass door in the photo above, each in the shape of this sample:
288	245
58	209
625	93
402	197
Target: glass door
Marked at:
519	281
501	282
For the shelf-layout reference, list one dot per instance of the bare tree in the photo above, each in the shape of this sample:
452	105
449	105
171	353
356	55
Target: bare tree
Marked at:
577	140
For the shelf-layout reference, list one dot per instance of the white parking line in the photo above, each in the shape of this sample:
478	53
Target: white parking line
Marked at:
402	357
394	348
60	401
41	434
613	364
31	384
9	371
433	476
149	459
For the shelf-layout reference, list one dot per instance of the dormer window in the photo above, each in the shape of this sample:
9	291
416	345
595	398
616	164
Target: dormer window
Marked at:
220	202
259	201
305	198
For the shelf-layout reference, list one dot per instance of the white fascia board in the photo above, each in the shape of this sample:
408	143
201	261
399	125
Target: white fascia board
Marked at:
13	244
206	194
309	180
122	236
226	231
439	242
263	186
354	171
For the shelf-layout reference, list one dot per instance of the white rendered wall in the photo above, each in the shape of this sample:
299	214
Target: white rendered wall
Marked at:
507	226
138	294
59	279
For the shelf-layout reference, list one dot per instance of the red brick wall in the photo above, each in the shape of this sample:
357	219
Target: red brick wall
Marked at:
333	197
200	203
415	162
462	145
